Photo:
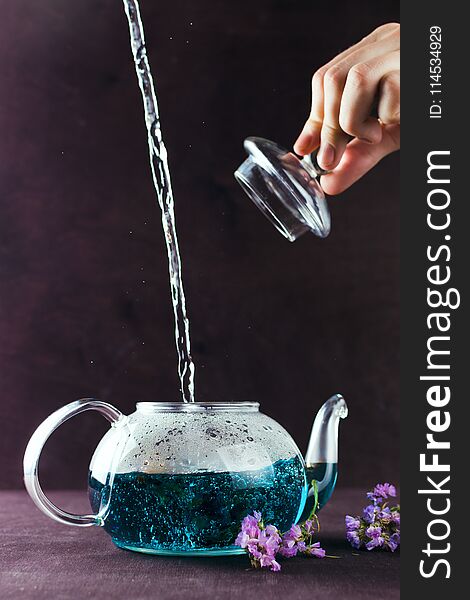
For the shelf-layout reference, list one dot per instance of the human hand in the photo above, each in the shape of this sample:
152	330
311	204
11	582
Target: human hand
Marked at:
345	92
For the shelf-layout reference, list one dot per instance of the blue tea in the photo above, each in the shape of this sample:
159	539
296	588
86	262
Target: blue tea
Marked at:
200	511
325	475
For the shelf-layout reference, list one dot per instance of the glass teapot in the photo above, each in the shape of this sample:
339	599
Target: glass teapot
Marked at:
178	478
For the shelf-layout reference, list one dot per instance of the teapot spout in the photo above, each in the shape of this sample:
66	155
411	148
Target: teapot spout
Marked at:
321	458
323	444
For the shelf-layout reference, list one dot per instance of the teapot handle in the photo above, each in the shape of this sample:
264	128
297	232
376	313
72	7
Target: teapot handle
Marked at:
34	449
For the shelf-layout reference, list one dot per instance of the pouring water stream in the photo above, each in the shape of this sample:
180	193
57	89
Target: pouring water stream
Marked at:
162	184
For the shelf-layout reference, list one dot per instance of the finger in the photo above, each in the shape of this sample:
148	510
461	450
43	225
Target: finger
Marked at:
327	89
362	86
383	39
389	99
309	138
333	140
385	31
359	158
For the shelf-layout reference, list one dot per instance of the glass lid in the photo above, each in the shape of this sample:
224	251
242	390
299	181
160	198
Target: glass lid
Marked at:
284	188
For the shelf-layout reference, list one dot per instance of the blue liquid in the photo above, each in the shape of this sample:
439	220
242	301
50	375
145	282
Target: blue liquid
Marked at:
325	474
198	512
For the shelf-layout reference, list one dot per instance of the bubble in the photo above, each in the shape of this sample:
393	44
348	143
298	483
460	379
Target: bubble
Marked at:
201	437
212	432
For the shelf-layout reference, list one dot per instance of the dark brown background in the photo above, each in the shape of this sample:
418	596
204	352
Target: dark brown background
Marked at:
285	324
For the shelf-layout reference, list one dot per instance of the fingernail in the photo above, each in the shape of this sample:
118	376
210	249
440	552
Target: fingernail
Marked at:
304	139
326	156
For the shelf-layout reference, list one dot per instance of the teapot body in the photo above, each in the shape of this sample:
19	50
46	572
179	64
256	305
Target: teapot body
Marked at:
179	478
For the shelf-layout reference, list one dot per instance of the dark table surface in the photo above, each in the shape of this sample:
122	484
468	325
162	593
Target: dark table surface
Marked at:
40	558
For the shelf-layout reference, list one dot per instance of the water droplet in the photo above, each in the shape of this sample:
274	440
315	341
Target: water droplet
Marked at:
212	432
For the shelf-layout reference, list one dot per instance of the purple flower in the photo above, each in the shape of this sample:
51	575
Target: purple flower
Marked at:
394	541
269	543
294	533
242	539
288	551
379	525
315	550
289	546
374	531
271	562
385	514
375	535
374	543
369	513
264	543
273	532
298	540
385	490
352	523
309	527
353	539
251	525
253	549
